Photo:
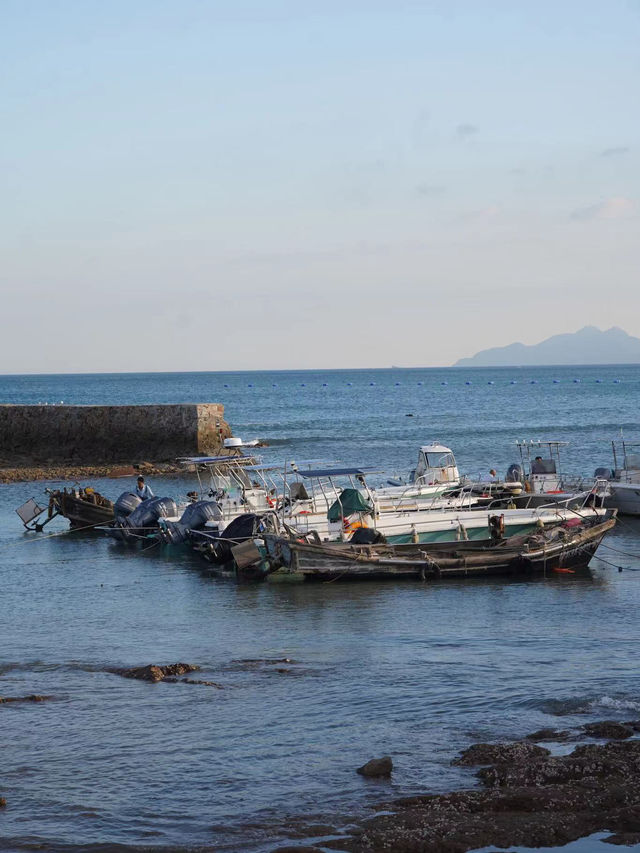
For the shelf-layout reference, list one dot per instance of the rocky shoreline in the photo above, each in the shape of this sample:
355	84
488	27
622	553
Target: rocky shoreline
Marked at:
73	472
528	797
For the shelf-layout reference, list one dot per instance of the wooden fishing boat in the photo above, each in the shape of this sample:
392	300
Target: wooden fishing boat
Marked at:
563	548
84	507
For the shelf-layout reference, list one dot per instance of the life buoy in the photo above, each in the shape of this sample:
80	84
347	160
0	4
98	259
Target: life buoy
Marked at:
270	501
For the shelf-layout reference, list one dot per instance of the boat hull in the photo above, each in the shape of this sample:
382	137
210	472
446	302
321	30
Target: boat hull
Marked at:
625	497
564	551
84	510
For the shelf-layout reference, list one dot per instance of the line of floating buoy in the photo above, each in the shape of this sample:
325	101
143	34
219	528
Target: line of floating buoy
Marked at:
468	382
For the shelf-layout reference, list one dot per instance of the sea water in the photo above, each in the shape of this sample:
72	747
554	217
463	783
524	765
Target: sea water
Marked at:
313	679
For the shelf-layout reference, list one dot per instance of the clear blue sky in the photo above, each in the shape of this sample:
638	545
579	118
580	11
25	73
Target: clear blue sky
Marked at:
191	184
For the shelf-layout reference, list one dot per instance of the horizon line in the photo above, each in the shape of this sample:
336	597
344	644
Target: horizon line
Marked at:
324	369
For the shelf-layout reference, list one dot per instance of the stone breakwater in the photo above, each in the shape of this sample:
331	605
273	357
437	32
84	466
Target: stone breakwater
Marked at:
44	437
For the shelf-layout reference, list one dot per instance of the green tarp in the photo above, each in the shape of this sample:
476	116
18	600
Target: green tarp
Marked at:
350	501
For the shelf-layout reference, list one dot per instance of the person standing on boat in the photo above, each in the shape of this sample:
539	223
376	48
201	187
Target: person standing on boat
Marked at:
142	490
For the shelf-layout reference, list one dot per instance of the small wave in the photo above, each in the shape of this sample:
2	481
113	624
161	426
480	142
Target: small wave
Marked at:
615	704
584	705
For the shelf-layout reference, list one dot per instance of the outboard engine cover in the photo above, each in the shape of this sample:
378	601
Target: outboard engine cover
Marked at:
603	473
367	536
125	505
514	474
195	516
148	512
239	530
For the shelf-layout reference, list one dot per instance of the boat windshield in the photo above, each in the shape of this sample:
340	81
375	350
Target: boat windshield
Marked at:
440	460
543	466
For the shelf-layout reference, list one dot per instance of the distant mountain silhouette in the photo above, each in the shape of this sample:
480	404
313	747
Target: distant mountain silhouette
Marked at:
587	346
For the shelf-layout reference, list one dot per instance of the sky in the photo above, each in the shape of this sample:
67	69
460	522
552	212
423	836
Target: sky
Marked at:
209	185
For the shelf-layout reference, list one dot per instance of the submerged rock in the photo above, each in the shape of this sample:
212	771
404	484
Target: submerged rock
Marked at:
3	802
377	767
500	753
154	673
549	735
297	849
34	697
194	681
609	730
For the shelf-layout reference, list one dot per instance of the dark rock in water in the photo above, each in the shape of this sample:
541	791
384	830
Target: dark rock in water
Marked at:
549	735
635	724
500	753
609	729
172	680
32	698
154	673
3	802
624	839
297	849
536	801
377	767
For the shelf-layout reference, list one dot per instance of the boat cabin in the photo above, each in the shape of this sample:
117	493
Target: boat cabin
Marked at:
436	464
540	466
626	462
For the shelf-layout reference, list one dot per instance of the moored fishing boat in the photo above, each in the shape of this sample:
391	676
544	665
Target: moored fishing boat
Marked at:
564	548
446	521
84	507
623	480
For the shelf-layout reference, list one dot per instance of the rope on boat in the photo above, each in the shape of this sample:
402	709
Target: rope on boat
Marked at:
618	551
49	535
609	563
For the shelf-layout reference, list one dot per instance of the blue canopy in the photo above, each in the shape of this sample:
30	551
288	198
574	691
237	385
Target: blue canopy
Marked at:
202	460
336	472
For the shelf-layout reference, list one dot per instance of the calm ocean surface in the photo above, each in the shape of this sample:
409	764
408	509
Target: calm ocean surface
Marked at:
417	671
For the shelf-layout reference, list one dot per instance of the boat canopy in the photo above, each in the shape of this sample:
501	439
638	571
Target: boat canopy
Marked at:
435	447
205	460
337	472
349	502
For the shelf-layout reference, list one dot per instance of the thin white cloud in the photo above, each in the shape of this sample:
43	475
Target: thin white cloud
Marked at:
617	207
465	130
614	152
430	190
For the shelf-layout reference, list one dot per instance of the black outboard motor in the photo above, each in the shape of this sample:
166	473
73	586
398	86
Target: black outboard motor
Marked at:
367	536
125	505
144	517
514	474
195	517
242	527
603	474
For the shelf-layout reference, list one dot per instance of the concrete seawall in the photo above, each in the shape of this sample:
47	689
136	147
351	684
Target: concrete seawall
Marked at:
95	434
